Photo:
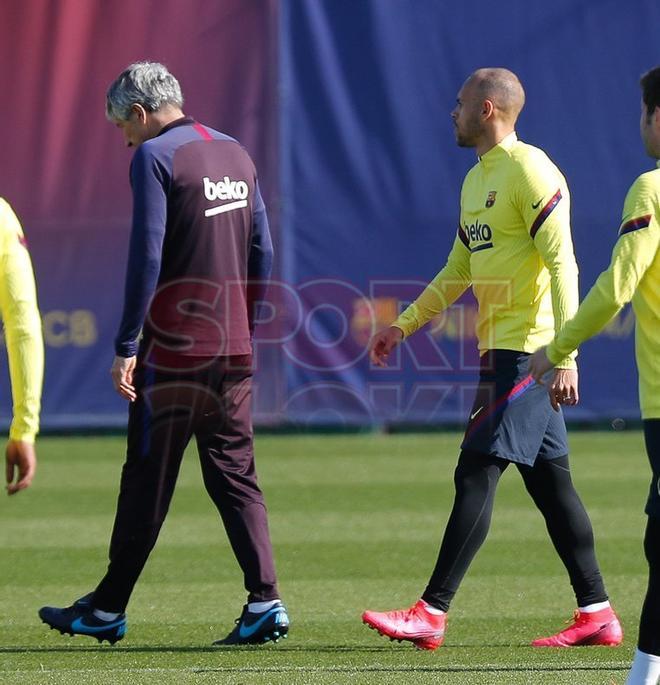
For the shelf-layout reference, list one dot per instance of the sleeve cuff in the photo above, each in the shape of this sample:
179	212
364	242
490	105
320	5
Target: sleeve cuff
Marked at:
406	321
126	349
559	359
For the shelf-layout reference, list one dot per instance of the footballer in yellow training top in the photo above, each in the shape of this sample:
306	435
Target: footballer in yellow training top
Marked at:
633	274
514	248
20	316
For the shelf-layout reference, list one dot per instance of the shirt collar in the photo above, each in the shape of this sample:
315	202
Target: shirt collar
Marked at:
181	121
504	146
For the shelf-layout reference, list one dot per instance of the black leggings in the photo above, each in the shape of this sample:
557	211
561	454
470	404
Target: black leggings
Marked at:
550	486
649	625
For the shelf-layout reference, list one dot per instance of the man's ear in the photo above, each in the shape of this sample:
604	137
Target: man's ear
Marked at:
487	109
140	112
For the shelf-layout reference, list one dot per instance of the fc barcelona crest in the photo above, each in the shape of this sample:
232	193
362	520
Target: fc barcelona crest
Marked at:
490	200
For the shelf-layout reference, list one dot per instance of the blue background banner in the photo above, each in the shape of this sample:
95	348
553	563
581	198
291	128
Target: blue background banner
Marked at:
344	106
371	178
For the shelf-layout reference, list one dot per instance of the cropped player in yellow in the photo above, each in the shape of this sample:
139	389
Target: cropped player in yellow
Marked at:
22	323
633	275
514	247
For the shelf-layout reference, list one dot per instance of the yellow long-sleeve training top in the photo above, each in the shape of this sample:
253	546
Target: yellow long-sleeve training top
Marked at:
633	274
514	247
22	323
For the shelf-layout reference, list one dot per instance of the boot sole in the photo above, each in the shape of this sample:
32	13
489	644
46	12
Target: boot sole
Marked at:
110	636
593	640
422	643
273	635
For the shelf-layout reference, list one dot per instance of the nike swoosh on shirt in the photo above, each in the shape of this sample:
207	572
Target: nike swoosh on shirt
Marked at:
536	204
475	413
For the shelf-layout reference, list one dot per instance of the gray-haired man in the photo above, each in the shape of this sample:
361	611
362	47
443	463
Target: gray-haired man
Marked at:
199	235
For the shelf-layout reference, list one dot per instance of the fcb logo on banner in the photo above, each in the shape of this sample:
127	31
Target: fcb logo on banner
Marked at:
490	200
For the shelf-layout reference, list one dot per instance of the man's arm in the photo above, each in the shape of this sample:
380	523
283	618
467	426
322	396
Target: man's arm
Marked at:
449	284
545	204
20	314
634	251
260	257
149	183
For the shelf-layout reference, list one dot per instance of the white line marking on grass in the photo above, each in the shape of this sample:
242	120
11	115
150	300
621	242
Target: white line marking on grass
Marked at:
499	668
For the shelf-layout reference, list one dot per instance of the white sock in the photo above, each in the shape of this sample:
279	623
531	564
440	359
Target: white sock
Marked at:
259	607
105	615
432	609
592	608
645	669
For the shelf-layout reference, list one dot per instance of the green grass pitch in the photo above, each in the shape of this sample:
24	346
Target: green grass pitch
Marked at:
356	522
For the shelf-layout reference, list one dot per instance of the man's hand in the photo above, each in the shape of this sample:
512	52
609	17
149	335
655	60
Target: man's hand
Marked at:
21	461
122	377
539	365
383	343
564	388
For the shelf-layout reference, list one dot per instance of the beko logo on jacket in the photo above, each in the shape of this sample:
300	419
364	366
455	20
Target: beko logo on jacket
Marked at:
225	189
479	233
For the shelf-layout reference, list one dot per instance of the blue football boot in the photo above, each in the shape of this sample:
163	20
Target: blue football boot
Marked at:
257	628
79	619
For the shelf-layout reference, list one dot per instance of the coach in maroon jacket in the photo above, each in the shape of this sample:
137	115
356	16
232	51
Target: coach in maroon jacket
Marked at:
183	351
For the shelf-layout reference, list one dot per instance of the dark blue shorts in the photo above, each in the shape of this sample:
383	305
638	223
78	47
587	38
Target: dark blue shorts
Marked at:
652	440
511	417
